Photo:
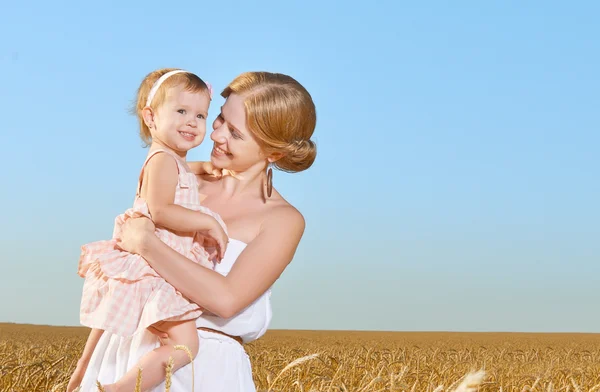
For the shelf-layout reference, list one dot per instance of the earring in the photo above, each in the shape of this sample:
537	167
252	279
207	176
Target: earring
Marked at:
269	181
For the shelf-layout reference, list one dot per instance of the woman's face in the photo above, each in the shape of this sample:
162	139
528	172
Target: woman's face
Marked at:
235	147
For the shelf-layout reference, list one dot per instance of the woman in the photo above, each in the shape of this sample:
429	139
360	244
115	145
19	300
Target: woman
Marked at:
267	121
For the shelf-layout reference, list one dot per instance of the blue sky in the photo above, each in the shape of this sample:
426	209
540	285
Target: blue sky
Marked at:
456	185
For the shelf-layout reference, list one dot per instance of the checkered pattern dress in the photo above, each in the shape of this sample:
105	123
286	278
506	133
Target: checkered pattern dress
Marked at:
121	292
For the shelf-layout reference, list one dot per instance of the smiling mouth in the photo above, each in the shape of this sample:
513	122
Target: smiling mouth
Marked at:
220	151
187	135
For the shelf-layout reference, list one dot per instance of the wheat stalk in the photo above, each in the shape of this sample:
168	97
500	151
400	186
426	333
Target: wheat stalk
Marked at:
290	365
169	374
190	356
138	381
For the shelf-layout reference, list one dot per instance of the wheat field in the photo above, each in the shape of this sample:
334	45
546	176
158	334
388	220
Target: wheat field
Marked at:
40	358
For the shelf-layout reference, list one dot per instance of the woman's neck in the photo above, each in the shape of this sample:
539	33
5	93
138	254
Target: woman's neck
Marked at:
250	183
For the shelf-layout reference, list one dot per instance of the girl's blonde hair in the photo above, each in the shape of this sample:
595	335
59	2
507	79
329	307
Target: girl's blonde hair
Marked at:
281	114
188	80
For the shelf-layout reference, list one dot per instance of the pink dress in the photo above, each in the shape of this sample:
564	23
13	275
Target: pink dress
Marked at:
122	294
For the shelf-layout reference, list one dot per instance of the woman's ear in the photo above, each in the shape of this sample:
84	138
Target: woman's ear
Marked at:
148	116
273	157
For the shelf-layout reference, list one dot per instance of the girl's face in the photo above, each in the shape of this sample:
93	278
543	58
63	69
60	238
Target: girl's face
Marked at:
235	148
180	122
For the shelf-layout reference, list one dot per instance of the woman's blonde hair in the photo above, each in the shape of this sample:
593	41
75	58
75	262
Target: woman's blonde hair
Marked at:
188	80
281	114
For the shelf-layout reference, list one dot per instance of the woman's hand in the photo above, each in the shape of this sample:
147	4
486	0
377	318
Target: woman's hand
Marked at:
135	234
77	375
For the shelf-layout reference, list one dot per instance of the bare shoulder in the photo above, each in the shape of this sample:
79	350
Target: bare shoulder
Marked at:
161	159
284	216
281	231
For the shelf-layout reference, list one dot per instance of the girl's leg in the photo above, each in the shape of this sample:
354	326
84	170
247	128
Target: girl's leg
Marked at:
153	364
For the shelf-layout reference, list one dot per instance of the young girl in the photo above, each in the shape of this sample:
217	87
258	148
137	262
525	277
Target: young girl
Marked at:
122	293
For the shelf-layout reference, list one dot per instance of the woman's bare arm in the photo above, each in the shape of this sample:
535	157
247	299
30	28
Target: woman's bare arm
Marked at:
256	269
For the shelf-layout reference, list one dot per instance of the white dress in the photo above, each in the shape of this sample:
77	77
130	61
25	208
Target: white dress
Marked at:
221	364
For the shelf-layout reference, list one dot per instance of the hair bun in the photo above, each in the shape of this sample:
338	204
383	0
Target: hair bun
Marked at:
300	155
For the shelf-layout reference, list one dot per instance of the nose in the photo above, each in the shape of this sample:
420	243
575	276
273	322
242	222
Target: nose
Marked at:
218	134
192	122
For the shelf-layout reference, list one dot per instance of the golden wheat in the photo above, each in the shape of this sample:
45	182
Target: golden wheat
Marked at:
36	358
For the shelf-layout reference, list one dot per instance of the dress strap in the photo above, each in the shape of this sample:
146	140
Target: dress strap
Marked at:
180	167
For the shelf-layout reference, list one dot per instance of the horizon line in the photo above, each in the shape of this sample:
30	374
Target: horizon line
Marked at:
352	330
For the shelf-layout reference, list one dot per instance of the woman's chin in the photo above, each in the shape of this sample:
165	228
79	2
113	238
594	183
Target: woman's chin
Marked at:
216	162
220	162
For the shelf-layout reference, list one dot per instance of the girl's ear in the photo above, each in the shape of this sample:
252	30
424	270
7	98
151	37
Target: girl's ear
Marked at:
148	116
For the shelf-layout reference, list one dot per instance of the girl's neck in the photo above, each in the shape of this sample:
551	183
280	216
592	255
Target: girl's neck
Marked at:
157	145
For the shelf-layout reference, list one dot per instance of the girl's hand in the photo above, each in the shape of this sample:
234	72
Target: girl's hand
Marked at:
212	248
200	168
210	169
135	234
218	235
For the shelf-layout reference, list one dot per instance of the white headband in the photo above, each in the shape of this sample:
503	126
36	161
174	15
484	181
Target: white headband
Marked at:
157	84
